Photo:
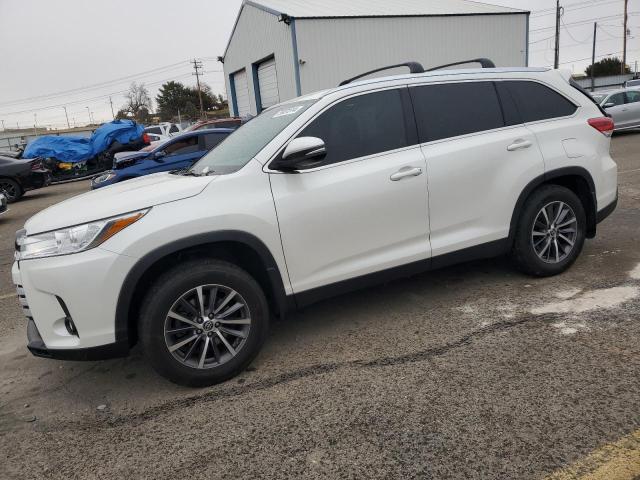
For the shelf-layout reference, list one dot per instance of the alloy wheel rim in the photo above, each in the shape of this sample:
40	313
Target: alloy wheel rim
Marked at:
554	232
207	326
9	189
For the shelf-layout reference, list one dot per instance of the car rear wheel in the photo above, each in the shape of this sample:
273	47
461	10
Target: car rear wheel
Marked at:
550	233
11	188
203	322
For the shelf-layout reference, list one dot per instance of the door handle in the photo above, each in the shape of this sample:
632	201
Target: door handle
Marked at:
519	145
406	172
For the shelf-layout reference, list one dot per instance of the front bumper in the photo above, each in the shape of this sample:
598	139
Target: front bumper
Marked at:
80	289
38	348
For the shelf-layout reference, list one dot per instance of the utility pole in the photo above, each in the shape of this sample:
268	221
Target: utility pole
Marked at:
35	123
556	62
197	65
67	115
89	113
624	41
593	57
112	114
3	129
179	119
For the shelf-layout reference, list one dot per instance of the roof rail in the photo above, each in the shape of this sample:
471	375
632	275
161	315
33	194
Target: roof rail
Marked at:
414	67
484	63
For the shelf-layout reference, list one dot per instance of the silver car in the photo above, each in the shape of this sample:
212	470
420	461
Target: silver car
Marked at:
623	105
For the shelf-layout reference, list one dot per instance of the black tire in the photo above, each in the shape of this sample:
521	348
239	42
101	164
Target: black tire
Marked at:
168	289
11	188
523	253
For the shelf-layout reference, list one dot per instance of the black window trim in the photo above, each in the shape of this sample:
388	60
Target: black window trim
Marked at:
410	125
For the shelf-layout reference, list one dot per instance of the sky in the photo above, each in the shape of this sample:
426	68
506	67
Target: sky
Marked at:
78	53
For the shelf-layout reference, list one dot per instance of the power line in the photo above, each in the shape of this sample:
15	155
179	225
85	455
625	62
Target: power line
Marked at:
100	97
582	22
94	86
597	56
537	14
566	29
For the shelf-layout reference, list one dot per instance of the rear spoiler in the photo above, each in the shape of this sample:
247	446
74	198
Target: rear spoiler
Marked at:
581	89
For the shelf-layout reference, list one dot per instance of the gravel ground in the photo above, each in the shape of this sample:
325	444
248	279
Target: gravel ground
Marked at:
474	371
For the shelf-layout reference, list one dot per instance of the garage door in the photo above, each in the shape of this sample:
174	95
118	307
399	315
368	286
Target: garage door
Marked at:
268	82
242	93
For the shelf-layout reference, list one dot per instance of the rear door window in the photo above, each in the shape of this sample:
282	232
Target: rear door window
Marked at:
361	126
454	109
537	102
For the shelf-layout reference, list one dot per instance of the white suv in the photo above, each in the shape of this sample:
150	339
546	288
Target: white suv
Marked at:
317	196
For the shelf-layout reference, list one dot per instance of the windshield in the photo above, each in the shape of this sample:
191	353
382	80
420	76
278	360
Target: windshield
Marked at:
598	97
245	143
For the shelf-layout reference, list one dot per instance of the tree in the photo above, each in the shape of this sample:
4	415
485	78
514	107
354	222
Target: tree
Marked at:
174	97
138	104
607	66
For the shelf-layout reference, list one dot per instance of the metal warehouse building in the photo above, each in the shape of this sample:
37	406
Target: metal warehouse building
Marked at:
280	49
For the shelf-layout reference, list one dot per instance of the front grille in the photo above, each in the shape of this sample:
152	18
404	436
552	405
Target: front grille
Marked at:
23	302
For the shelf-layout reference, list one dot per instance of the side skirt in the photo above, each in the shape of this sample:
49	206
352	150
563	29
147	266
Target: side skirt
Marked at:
486	250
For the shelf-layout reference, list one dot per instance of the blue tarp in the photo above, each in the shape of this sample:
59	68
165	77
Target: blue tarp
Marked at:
78	149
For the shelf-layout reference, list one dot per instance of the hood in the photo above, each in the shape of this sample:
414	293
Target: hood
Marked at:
123	197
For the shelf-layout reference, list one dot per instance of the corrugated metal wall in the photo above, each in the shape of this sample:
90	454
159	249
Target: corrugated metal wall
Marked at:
257	35
335	49
331	50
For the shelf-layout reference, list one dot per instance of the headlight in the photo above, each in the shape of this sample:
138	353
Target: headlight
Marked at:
105	177
72	239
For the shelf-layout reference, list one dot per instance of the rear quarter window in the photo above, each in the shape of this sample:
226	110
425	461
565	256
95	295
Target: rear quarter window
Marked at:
537	102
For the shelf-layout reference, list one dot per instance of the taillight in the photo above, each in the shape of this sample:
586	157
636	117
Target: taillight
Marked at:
145	138
604	125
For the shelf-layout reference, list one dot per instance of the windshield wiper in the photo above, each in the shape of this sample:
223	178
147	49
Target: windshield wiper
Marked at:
185	172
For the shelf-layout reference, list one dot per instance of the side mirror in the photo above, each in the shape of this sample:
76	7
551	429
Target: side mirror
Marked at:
609	105
159	156
301	153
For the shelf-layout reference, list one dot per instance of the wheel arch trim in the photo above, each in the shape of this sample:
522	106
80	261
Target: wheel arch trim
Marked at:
546	178
125	297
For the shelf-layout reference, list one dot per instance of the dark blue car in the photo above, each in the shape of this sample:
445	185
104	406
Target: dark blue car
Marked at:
180	152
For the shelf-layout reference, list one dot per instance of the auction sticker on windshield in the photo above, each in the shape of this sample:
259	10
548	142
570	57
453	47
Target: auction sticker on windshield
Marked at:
288	111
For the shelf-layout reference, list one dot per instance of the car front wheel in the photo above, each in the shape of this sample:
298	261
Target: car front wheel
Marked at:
203	322
550	232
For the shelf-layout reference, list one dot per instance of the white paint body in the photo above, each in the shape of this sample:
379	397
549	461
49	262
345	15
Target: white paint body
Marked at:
323	225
